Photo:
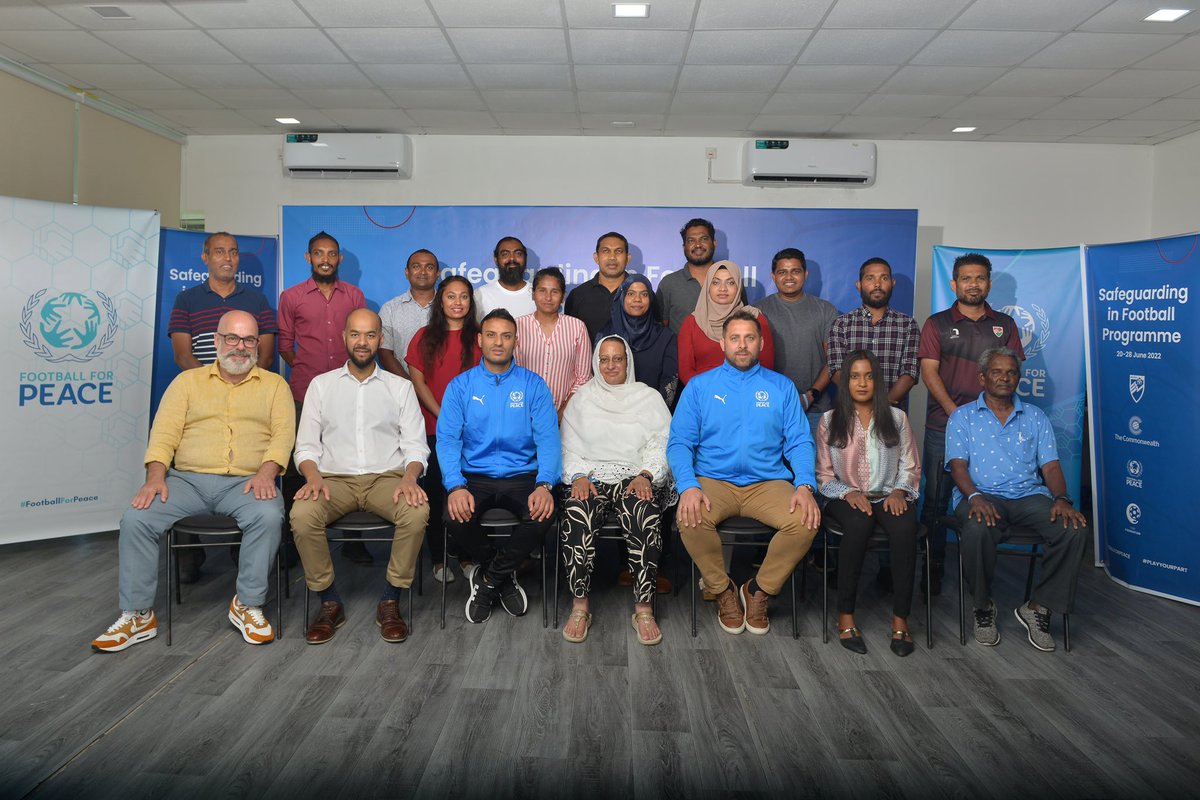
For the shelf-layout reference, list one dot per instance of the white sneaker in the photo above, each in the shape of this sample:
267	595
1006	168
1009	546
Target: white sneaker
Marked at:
443	574
250	621
128	630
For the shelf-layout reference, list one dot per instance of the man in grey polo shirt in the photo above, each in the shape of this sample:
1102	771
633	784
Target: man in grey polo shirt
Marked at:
403	316
679	290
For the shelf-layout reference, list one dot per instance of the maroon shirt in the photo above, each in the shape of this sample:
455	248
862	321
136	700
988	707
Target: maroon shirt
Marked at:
956	342
311	326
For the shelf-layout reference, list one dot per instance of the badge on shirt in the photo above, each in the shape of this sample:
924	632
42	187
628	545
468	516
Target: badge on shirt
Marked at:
998	330
762	399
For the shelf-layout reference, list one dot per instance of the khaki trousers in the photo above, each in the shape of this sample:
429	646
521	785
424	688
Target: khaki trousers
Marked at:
766	502
372	493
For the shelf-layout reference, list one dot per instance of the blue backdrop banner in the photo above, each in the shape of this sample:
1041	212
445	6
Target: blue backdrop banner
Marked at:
1145	377
376	242
1040	289
180	268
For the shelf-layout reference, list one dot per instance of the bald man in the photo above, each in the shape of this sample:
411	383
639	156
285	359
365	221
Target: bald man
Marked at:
227	428
360	447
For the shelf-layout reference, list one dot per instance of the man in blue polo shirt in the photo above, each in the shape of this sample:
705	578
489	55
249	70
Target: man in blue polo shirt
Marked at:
995	447
498	446
730	434
197	310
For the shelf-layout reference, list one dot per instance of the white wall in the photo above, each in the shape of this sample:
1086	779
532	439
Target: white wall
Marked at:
1176	206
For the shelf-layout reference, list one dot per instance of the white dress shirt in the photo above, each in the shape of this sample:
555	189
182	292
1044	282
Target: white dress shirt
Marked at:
350	427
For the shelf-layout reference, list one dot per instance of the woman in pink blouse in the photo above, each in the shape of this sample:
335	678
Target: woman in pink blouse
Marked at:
867	465
552	344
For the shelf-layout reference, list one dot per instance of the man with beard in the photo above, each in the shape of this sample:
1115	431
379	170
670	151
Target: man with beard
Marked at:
403	316
951	343
310	316
679	290
592	300
227	429
361	447
876	326
510	290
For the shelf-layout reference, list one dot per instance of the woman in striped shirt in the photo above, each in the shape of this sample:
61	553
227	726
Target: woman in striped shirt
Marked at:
552	344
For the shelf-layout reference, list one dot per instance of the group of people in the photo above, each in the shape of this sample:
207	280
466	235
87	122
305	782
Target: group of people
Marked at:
610	402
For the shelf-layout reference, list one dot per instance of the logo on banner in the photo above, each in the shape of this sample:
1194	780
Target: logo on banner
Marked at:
1137	387
1033	326
1133	513
1135	426
1134	478
71	326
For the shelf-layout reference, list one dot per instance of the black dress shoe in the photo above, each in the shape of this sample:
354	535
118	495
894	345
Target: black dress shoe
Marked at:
357	552
902	646
854	643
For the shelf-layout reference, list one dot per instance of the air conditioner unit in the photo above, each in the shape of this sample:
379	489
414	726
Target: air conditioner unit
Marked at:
808	162
347	155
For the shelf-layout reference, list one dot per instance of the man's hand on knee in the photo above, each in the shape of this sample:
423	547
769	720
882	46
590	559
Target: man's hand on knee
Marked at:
689	507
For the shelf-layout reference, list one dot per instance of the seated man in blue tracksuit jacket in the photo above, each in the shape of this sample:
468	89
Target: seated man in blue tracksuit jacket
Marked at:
731	432
498	445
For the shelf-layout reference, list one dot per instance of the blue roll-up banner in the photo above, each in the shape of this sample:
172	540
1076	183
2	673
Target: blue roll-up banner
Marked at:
1144	375
1040	290
376	241
180	268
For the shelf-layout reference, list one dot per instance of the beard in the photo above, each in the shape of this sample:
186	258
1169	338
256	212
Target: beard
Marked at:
871	303
320	278
361	362
235	363
511	273
700	262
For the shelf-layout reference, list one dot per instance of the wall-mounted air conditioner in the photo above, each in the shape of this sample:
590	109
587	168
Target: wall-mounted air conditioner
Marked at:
808	162
347	155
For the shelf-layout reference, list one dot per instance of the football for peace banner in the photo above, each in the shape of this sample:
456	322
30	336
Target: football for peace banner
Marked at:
377	240
1144	374
1040	290
181	268
76	363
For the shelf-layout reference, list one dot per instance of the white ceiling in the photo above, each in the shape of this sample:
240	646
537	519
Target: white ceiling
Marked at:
1017	70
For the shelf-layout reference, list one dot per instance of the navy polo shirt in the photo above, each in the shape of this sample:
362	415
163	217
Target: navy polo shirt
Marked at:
197	311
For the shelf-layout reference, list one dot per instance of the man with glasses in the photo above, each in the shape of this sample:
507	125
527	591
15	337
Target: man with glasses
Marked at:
221	436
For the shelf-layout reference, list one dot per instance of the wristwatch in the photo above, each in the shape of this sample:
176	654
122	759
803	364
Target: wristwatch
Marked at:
549	487
1066	497
808	486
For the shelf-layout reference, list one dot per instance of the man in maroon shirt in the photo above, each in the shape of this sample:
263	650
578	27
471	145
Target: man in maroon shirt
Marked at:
951	343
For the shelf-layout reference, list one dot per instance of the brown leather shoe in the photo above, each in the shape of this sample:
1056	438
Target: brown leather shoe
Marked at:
332	617
729	610
755	606
392	626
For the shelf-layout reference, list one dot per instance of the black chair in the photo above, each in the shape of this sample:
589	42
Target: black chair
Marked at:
364	522
1022	542
610	531
498	522
751	530
211	530
879	542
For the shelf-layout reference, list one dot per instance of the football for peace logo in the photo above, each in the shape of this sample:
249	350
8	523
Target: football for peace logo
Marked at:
71	326
1033	325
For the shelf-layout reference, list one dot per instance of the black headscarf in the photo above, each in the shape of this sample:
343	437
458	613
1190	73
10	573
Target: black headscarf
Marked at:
640	332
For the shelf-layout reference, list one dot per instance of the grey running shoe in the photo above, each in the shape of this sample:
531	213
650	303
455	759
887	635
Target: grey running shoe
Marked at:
1037	625
986	632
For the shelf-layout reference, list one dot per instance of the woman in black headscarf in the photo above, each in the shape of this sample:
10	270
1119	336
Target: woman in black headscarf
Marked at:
655	353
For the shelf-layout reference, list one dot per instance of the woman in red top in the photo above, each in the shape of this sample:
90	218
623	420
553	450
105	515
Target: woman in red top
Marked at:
700	335
440	351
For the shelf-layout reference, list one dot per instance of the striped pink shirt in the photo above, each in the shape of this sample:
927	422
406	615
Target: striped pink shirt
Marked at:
564	360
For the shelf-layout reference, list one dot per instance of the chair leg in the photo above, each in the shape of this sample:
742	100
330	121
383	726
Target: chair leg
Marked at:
692	585
420	562
306	602
1067	631
825	598
928	598
445	544
795	624
962	612
171	568
1029	575
545	598
279	592
410	607
557	570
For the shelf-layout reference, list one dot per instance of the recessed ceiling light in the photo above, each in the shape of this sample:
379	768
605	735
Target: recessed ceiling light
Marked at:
1168	14
111	12
631	10
963	129
621	124
287	120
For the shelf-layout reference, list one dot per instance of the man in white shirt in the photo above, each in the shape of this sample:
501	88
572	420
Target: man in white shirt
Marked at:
511	290
360	447
407	313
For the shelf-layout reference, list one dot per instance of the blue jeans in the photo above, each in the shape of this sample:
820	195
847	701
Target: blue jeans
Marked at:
938	487
188	494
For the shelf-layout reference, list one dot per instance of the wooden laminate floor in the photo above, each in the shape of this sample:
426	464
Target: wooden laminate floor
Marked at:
508	709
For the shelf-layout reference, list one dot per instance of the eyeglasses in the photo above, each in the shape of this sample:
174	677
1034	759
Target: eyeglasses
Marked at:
233	340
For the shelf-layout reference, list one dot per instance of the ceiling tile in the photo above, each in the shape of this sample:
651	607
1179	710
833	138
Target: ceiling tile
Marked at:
1027	15
60	47
627	47
875	126
642	122
625	77
794	124
542	121
480	13
907	105
710	123
1050	128
998	107
346	98
316	76
1145	83
628	102
811	103
283	46
389	120
720	102
1184	55
256	14
1024	81
116	76
724	15
1135	127
541	102
983	48
664	14
165	99
528	45
437	118
209	119
417	76
393	45
520	77
705	77
874	14
746	47
239	99
214	76
33	18
1094	108
1098	50
1129	16
849	78
310	119
146	16
1174	108
1106	139
939	135
170	47
944	128
864	46
444	100
373	13
940	80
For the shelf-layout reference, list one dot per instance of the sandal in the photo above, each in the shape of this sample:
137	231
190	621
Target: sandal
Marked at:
643	617
576	617
903	645
854	643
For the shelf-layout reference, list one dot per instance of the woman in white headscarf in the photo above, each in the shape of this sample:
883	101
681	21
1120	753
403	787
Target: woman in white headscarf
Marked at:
614	438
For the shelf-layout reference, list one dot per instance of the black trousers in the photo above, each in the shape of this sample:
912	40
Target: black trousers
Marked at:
511	494
857	528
